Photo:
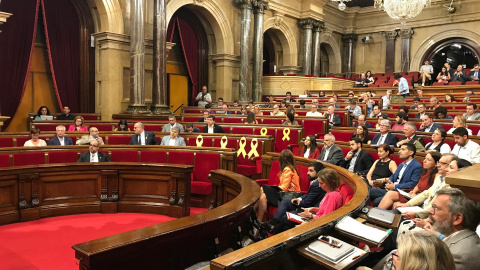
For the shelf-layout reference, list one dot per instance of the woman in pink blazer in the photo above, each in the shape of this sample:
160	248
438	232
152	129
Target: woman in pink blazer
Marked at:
78	124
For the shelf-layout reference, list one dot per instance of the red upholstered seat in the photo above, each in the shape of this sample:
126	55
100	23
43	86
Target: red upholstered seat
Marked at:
153	128
153	156
190	118
207	142
450	143
304	182
270	131
447	127
231	143
227	129
104	127
273	176
4	160
62	157
281	144
397	159
124	156
471	82
273	121
90	117
47	127
21	140
342	136
197	111
232	120
6	142
346	192
28	158
244	165
180	157
455	83
204	163
242	130
122	140
474	129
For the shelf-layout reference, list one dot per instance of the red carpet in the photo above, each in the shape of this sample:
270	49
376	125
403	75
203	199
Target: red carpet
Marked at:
46	243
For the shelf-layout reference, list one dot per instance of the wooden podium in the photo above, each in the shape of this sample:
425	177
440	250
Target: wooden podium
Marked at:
3	119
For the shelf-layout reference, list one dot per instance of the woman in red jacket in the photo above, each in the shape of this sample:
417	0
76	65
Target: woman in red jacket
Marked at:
310	150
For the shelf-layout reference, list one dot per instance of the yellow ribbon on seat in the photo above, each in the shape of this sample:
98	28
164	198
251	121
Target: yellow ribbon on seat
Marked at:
241	147
253	148
223	142
199	141
286	132
263	131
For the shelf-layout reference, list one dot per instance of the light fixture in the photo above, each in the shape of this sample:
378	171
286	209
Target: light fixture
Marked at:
402	9
341	5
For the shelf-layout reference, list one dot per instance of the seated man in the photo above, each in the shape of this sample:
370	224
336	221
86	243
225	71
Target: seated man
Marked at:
361	121
211	127
354	111
276	111
426	72
66	114
464	147
441	113
191	129
314	111
85	139
427	124
474	73
401	119
330	152
333	102
362	81
376	112
410	137
61	139
236	104
357	160
224	110
333	119
311	199
93	155
405	177
288	97
384	136
204	118
220	102
208	108
142	137
460	75
416	101
472	113
267	103
421	108
172	122
173	139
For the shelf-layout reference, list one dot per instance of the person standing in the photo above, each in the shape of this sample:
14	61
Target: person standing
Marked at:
203	97
403	88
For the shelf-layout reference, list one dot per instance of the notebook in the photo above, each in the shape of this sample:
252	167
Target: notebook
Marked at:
353	227
381	215
404	194
329	252
409	209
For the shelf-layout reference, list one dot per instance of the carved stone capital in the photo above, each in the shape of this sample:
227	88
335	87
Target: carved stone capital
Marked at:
259	6
318	26
278	18
244	4
199	2
389	35
350	37
406	33
307	23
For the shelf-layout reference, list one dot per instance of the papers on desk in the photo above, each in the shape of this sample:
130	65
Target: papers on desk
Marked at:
331	253
296	218
350	226
414	209
404	194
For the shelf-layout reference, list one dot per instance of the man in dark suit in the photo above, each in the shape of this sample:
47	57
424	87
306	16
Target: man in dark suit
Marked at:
427	124
333	119
204	118
385	136
474	73
61	139
66	114
421	108
142	137
361	121
330	152
312	199
460	75
405	177
410	137
211	127
357	160
288	97
93	155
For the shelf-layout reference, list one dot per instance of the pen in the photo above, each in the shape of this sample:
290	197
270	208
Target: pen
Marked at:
357	256
410	216
389	231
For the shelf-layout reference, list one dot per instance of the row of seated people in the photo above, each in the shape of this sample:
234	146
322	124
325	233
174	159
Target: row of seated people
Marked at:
43	113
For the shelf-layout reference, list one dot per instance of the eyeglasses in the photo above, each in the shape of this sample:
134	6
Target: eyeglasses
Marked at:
434	208
443	163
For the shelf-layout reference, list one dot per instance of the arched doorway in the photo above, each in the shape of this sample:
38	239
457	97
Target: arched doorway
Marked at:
268	56
324	60
456	51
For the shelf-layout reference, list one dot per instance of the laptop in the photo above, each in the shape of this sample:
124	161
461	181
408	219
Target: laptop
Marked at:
46	117
329	252
381	215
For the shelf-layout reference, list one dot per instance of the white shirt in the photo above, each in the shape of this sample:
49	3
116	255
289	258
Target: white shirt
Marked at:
317	113
402	170
470	152
93	157
142	138
171	142
61	140
444	149
452	129
327	150
210	129
384	102
306	153
40	143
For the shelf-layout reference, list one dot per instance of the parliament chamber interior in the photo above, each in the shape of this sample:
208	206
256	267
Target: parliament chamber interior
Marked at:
239	134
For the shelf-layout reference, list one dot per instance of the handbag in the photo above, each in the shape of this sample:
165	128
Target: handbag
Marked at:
289	195
398	99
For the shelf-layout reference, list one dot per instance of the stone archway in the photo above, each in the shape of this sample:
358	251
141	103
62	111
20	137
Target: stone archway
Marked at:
280	31
109	17
333	51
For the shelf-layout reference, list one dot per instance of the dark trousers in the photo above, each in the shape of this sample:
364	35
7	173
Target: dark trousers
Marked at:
376	195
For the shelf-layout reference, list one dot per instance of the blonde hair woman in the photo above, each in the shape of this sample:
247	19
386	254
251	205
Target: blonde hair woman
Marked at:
459	121
257	111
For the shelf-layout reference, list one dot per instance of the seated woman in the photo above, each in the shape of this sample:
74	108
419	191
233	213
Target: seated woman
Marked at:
369	79
290	120
382	168
449	98
291	109
459	121
243	111
443	76
122	126
251	119
35	141
257	111
43	110
437	144
429	173
310	149
289	181
329	181
78	124
425	199
362	133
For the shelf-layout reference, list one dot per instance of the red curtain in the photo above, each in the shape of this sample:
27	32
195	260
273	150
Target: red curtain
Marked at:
62	31
17	41
189	44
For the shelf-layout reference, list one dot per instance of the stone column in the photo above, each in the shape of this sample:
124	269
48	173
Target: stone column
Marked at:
137	58
159	89
406	35
317	29
390	36
257	70
307	25
349	40
246	7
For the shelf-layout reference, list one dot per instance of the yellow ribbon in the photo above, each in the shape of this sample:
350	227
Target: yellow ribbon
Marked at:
223	142
286	132
241	149
199	141
263	131
253	148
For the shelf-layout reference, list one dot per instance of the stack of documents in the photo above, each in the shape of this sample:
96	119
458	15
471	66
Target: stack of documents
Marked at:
350	226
